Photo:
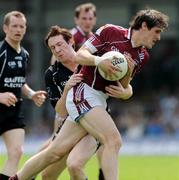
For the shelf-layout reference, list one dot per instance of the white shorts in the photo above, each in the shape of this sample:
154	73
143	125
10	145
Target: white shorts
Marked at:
82	98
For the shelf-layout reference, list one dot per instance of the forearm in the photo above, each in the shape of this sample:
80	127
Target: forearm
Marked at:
84	57
128	92
60	107
27	91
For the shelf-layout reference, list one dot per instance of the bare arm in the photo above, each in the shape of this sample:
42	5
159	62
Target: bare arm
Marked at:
128	92
38	97
60	106
27	91
84	57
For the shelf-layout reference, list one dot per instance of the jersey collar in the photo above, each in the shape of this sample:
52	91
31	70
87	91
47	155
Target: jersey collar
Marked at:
128	34
81	31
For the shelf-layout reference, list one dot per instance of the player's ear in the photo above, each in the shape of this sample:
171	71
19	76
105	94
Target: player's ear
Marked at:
71	42
144	25
76	20
5	28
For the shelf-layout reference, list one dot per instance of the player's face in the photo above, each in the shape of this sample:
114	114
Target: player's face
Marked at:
151	36
56	45
16	29
86	21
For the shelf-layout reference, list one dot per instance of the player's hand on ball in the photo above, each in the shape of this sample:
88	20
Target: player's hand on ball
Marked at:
107	67
131	64
113	66
125	81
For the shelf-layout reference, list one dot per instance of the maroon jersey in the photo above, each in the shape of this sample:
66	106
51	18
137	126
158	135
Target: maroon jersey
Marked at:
79	37
111	38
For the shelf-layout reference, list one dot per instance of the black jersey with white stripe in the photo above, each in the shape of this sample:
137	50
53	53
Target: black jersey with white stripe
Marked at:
12	68
56	77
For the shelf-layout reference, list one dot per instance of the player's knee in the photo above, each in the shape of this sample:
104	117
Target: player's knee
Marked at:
45	175
117	142
74	166
114	142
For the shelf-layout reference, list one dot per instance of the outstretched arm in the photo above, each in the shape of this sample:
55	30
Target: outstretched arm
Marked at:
84	57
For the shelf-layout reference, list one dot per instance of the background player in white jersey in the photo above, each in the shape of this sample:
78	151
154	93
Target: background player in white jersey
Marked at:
145	30
13	63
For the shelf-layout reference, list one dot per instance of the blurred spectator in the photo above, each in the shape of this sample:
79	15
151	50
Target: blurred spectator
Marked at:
154	126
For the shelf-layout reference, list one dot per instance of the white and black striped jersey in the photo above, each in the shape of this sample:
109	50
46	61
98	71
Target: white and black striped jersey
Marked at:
12	68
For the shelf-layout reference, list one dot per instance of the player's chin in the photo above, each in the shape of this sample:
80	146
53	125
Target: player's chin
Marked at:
149	46
18	37
64	56
87	30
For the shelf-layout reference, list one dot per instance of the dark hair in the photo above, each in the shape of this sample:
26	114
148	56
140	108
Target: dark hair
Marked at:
55	31
17	14
153	18
85	7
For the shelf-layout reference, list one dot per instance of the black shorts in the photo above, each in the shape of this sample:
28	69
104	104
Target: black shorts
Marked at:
11	117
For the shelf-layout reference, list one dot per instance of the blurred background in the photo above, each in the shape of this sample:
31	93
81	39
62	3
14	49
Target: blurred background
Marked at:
152	114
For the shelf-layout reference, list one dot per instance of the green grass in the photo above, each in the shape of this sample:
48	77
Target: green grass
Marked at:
132	168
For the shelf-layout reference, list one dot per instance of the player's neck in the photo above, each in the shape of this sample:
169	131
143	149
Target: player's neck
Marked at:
83	32
14	44
135	39
87	33
70	65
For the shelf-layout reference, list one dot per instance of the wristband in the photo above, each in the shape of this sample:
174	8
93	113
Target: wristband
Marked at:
97	60
30	94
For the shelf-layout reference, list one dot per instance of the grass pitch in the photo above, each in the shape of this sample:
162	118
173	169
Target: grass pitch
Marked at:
131	168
